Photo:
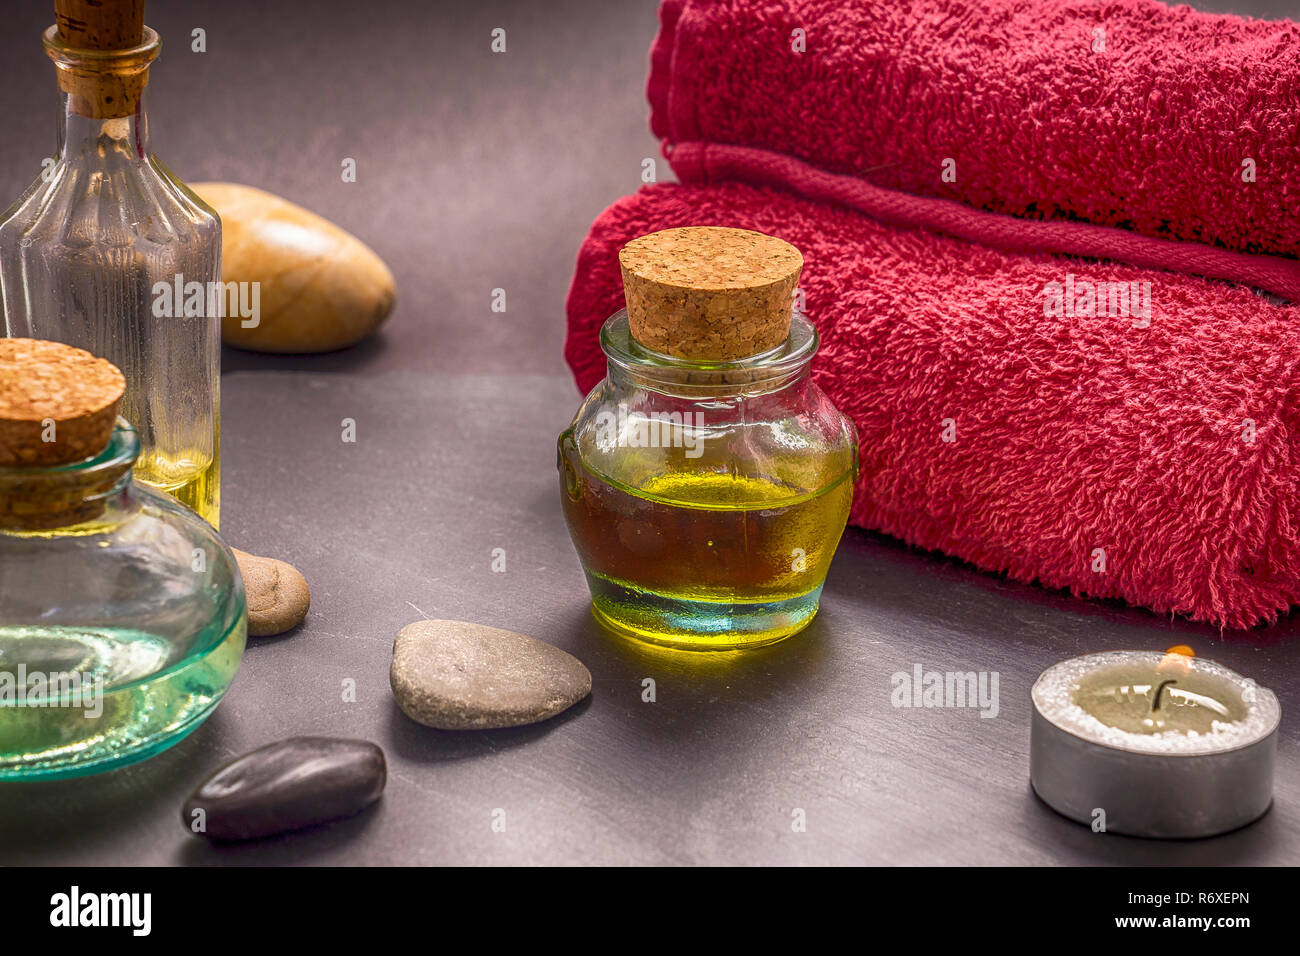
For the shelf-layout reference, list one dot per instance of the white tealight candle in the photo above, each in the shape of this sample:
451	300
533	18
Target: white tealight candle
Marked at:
1152	744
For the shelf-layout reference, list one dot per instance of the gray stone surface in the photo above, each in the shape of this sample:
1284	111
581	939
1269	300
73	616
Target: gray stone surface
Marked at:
477	172
402	526
457	675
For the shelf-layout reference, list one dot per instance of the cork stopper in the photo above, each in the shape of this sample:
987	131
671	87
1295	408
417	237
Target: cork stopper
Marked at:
100	24
709	293
103	50
58	404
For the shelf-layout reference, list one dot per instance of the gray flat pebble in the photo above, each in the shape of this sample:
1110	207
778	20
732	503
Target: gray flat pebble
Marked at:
455	675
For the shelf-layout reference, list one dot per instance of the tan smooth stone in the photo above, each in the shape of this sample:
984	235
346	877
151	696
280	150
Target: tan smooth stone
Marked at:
277	593
321	288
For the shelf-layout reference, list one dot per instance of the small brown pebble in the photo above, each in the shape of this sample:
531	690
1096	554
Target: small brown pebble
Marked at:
58	404
278	598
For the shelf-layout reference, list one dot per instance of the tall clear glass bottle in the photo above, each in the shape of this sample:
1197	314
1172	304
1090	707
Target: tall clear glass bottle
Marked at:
93	255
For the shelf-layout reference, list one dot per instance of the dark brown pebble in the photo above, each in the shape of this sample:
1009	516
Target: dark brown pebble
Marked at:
287	785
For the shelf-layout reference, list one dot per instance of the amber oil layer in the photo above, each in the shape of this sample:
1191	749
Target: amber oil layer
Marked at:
703	560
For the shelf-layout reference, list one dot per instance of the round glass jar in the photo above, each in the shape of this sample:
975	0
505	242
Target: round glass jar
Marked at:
122	616
706	499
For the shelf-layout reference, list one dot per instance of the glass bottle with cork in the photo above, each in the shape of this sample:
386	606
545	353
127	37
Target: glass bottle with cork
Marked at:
707	480
122	613
87	251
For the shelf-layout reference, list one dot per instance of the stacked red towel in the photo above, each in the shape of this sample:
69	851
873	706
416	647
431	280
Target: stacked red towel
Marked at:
1124	113
1107	428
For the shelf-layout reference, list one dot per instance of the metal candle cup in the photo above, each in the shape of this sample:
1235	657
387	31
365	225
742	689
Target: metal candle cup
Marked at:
1164	745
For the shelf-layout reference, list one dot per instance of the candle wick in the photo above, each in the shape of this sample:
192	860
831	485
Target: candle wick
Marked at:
1159	690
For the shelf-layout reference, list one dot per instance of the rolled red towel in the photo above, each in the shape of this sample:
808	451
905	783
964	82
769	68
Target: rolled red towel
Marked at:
1160	120
1151	457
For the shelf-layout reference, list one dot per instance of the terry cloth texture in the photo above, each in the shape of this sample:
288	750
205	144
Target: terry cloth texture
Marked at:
1149	459
1124	113
1016	408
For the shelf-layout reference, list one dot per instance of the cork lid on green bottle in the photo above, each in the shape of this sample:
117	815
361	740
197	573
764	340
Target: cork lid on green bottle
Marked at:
58	404
710	293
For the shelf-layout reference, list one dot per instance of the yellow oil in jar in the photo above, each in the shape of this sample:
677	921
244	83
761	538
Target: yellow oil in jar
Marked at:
704	560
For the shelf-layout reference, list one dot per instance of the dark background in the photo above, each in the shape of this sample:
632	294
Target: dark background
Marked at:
478	171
